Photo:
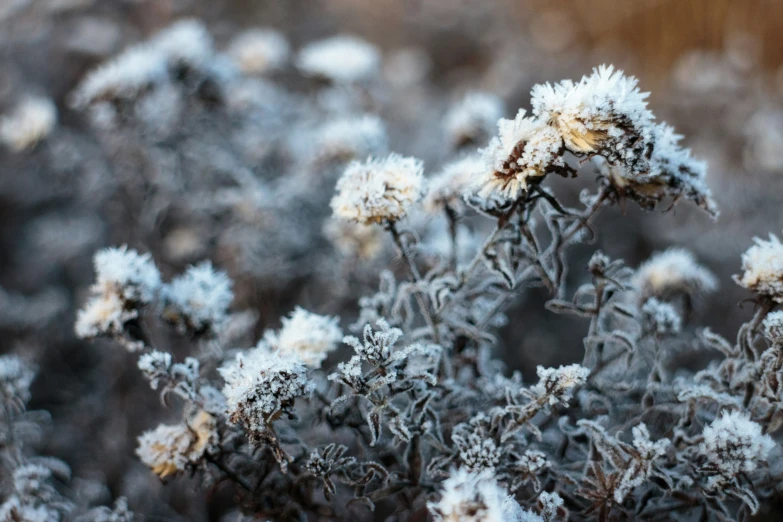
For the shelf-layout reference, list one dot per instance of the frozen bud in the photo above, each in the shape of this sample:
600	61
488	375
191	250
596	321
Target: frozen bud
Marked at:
524	151
16	376
351	138
341	59
259	51
199	298
378	190
30	122
550	503
310	336
472	120
557	384
261	385
468	496
674	271
168	450
733	444
354	239
598	263
660	318
762	268
773	328
447	189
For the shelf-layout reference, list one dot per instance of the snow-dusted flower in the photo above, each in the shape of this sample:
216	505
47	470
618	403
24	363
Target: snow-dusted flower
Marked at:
258	51
673	271
733	444
557	384
199	298
185	43
310	336
660	317
472	120
261	384
467	496
550	504
32	120
352	137
762	268
773	328
171	449
15	379
639	469
341	59
125	280
456	180
354	239
476	450
525	150
378	190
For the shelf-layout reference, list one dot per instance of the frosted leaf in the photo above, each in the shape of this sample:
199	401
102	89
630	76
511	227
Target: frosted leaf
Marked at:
455	181
200	298
16	376
353	137
762	268
258	51
310	336
673	271
32	120
557	384
660	318
354	239
733	444
525	150
341	59
171	449
260	384
378	190
702	391
473	119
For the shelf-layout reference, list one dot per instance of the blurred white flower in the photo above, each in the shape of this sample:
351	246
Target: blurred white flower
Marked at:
170	449
258	51
310	336
341	59
472	120
32	120
200	298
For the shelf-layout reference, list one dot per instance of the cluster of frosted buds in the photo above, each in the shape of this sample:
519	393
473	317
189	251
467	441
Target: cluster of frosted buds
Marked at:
660	318
643	454
198	300
733	444
30	122
352	137
378	190
126	281
672	273
468	496
261	385
555	385
762	269
476	450
168	450
258	51
473	119
15	379
340	59
310	336
354	239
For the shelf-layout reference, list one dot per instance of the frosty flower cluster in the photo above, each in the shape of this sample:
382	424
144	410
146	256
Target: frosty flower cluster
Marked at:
555	385
310	336
762	268
171	449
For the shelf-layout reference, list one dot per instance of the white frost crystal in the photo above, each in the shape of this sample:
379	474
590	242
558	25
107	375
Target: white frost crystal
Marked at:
30	122
201	296
342	59
378	190
261	384
733	444
310	336
762	268
170	449
258	51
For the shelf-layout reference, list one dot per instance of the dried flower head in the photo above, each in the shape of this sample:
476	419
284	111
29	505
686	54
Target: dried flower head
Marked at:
762	268
310	336
168	450
525	150
258	51
199	298
557	384
262	384
378	190
341	59
354	239
473	119
32	120
455	181
660	318
353	137
673	271
733	444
